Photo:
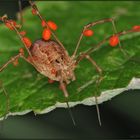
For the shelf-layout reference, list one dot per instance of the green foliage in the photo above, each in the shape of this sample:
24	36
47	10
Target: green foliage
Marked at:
29	90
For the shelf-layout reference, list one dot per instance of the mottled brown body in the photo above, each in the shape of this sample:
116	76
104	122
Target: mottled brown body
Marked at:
52	60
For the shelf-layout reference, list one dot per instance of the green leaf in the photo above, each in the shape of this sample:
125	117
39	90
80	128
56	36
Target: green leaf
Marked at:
30	91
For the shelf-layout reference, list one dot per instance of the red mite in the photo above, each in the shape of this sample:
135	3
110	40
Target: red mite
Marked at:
114	40
51	59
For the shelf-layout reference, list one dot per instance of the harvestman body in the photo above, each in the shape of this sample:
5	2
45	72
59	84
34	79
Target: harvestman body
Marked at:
51	59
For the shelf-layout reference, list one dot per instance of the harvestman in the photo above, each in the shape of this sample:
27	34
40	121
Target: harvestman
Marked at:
51	59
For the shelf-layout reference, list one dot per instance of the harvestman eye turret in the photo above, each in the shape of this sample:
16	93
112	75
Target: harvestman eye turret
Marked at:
50	58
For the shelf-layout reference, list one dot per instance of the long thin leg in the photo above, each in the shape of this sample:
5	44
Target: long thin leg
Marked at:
63	87
7	97
7	104
93	24
20	11
98	111
96	98
99	70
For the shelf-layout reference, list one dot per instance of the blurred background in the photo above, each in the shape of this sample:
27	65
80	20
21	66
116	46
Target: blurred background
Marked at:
120	116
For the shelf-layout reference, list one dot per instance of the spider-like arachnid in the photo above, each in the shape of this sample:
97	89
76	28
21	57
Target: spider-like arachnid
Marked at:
50	58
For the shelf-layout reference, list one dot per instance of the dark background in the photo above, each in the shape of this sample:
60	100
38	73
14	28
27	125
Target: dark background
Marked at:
120	116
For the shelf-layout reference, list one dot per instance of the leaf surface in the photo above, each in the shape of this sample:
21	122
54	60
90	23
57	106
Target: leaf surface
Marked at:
29	90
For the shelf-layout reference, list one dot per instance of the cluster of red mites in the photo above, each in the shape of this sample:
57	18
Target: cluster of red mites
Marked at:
9	24
48	26
12	25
